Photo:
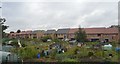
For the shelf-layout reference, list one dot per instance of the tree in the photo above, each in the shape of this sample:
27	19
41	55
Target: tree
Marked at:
80	35
45	38
90	54
28	52
12	32
56	40
2	26
18	31
116	26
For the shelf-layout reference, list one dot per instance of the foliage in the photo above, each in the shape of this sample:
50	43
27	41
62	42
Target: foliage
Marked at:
67	56
60	57
5	40
72	52
90	54
53	54
18	31
99	53
45	38
4	27
28	52
119	56
56	40
112	26
70	56
82	52
69	60
14	41
2	21
80	35
12	32
24	45
15	44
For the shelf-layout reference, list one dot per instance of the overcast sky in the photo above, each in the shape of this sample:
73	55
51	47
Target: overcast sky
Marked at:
54	15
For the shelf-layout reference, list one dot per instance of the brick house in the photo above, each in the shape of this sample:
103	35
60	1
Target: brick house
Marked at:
23	34
71	33
93	34
37	34
11	35
62	33
50	33
97	34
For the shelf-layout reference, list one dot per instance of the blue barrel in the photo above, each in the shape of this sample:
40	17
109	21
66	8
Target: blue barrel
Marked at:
38	55
117	49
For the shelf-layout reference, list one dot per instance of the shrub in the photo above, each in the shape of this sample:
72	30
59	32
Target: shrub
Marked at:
90	54
56	40
60	57
69	60
24	45
15	44
45	38
28	52
53	54
72	52
99	53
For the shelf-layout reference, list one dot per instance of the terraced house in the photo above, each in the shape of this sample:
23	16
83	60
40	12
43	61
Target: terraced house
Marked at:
93	34
62	33
37	34
28	34
23	34
98	34
50	33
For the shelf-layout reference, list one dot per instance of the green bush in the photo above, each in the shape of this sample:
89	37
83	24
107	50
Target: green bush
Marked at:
45	38
90	54
15	44
28	52
99	53
69	60
60	57
56	40
72	51
5	40
53	54
24	45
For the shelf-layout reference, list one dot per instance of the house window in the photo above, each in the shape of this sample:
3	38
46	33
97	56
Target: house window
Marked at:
99	35
106	35
112	37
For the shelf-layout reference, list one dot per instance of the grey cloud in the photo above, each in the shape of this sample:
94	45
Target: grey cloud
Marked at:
60	0
105	17
48	15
